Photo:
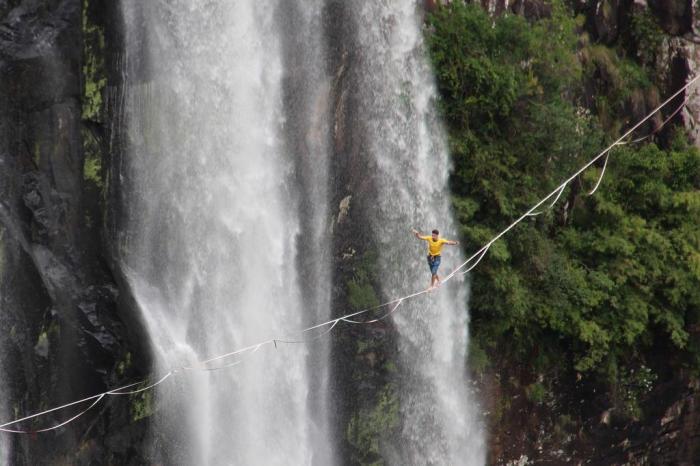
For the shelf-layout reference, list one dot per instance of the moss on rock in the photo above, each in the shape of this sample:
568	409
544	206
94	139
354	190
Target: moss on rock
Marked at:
370	427
142	406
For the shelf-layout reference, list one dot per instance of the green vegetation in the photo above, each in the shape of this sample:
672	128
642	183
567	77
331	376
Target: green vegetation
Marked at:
647	37
94	78
368	428
536	392
94	81
92	170
141	405
632	386
374	416
124	364
592	284
361	293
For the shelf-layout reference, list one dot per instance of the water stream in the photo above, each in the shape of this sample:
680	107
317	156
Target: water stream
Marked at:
408	146
227	243
212	250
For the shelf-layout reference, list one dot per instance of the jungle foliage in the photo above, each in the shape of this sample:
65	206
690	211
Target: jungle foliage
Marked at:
595	283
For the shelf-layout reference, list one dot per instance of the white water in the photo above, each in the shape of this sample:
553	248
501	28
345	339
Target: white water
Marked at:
439	417
307	102
211	246
220	184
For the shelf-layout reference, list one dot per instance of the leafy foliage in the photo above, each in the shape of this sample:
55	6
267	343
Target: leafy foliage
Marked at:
360	289
370	427
647	36
594	282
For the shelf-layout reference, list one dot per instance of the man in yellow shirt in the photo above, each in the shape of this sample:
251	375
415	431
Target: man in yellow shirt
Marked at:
435	244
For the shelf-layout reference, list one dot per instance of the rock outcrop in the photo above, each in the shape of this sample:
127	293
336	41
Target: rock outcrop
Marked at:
63	334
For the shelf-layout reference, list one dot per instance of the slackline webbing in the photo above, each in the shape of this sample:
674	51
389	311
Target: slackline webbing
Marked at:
394	304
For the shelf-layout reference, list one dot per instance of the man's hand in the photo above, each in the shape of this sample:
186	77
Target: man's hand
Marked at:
415	233
454	243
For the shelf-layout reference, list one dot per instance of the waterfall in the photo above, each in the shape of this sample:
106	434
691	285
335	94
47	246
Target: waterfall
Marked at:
216	244
226	238
307	91
408	148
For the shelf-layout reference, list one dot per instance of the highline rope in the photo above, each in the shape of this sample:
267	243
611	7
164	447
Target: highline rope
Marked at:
475	258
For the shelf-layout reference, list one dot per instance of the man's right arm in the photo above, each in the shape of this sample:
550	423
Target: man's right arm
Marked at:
416	234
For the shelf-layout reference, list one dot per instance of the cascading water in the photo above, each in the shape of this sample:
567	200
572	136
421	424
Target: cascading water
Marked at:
439	420
227	128
211	247
307	131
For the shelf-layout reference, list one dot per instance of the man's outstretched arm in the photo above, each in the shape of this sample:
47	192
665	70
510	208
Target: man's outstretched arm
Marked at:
416	234
452	242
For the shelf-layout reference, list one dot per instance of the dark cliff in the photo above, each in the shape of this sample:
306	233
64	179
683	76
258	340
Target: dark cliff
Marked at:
64	336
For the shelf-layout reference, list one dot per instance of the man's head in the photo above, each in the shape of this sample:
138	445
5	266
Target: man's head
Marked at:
435	235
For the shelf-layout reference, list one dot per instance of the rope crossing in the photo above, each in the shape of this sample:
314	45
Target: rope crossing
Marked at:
393	305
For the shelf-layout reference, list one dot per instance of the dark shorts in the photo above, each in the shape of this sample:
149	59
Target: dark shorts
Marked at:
433	263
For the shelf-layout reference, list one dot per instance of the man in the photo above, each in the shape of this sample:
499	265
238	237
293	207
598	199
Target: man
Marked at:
435	244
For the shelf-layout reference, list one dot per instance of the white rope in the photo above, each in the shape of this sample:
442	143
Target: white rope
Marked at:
585	167
97	399
479	255
600	178
255	348
58	426
53	409
201	366
635	141
374	320
562	187
118	391
483	254
308	340
213	369
675	112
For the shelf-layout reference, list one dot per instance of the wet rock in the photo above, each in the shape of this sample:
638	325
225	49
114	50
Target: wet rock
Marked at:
97	303
679	57
343	209
531	9
675	16
605	19
66	334
431	5
41	348
494	7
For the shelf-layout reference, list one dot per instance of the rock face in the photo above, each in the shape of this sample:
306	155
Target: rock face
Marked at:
60	304
67	322
668	437
359	353
678	54
672	51
685	25
677	17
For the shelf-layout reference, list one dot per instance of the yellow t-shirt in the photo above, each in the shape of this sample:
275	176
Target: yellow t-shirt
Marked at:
434	247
